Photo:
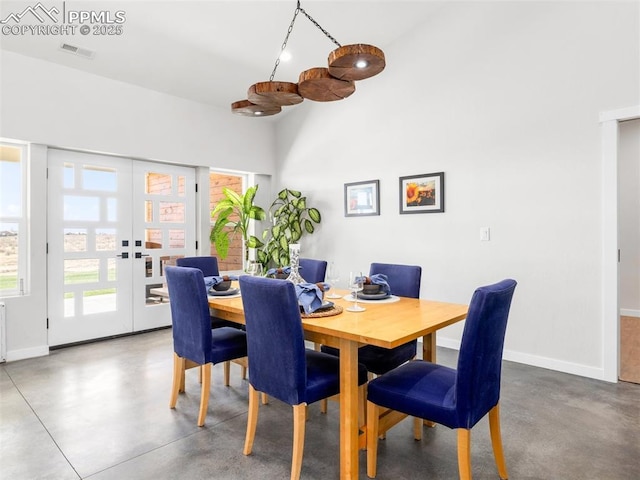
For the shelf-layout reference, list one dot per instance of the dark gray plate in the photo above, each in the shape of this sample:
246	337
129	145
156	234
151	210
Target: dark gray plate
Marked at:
231	291
372	296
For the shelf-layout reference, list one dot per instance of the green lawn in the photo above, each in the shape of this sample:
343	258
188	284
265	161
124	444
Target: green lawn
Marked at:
10	282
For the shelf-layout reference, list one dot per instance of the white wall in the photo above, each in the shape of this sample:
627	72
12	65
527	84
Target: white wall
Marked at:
629	217
51	105
46	103
505	99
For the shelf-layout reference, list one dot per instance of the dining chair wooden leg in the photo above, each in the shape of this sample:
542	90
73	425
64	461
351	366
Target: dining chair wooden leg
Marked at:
299	424
244	372
323	405
252	420
183	370
265	399
417	428
496	441
464	453
178	376
373	417
204	392
362	405
227	369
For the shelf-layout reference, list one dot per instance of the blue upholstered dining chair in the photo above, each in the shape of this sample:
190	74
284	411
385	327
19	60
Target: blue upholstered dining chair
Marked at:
281	365
313	271
209	267
457	398
404	281
195	343
207	264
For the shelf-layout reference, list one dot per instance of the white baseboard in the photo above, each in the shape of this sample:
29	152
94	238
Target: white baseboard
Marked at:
14	355
537	361
554	364
627	312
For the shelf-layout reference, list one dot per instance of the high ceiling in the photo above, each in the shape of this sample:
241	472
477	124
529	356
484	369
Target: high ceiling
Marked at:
212	51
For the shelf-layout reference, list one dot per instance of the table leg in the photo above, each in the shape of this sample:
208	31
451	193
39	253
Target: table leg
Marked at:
429	354
429	347
348	409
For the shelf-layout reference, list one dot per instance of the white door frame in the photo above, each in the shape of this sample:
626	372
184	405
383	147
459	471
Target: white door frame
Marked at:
609	122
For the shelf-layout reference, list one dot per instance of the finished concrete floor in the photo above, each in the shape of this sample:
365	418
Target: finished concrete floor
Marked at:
100	411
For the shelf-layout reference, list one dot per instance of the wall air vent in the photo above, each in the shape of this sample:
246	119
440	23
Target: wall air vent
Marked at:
81	52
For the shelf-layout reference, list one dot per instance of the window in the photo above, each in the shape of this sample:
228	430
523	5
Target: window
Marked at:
217	181
13	219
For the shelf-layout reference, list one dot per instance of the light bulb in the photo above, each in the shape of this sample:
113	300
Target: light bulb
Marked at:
361	63
285	56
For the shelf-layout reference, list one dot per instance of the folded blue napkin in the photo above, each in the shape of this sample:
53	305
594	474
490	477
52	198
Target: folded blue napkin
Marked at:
379	279
216	279
310	296
273	271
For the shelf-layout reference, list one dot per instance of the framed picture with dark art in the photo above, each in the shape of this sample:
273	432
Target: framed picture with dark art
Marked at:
362	198
422	193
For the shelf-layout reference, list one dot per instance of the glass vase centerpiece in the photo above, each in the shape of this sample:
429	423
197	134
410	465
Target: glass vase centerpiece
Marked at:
294	257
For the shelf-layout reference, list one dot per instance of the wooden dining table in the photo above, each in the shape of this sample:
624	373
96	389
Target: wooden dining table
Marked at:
384	324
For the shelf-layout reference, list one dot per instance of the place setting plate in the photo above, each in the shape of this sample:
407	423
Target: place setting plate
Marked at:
232	292
372	298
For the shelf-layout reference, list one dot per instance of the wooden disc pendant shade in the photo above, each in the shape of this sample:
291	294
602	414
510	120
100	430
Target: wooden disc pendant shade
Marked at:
318	85
356	62
347	64
248	109
274	94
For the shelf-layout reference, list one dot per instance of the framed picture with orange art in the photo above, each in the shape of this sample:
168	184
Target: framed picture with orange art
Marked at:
422	193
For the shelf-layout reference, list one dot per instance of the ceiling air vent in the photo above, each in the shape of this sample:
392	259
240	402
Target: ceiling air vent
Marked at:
81	52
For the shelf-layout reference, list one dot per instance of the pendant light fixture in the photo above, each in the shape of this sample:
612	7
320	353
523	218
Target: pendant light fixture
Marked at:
346	64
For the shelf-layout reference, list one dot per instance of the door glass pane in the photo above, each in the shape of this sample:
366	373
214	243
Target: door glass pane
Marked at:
168	260
181	183
148	267
81	271
172	212
99	178
176	238
158	184
9	255
105	239
153	238
112	270
79	208
75	240
99	301
148	211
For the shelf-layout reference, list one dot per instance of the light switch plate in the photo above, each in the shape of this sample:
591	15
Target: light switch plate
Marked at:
485	234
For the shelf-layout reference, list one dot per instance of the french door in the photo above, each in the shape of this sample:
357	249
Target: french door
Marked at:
113	224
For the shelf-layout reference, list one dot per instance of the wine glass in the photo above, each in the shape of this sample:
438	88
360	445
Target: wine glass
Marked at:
254	269
356	284
333	275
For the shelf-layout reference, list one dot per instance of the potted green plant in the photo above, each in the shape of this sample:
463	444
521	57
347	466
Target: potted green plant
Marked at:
291	218
233	215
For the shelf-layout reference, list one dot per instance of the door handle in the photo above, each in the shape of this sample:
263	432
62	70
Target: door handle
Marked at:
140	255
123	255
